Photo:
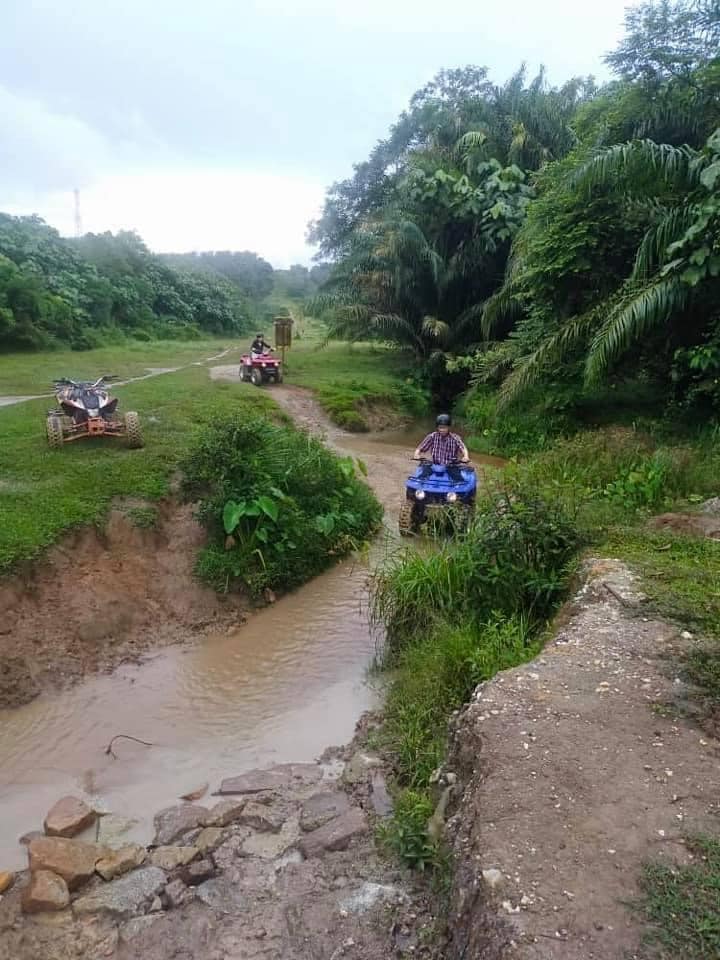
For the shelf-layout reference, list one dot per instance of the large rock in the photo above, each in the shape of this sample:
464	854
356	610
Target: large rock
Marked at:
335	835
262	818
115	832
280	777
177	894
173	822
198	872
69	817
124	897
170	858
121	861
6	881
323	807
46	892
72	860
209	839
359	768
379	796
225	813
224	894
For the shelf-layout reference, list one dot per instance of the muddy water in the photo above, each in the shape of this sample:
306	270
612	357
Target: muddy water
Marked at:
284	686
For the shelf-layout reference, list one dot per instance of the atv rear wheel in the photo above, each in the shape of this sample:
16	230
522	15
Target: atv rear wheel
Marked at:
133	430
256	377
405	520
54	431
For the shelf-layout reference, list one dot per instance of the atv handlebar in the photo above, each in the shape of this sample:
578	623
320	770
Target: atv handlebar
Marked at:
454	463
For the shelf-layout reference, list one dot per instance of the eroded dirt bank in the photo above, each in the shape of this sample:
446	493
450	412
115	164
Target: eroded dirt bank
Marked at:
576	770
104	597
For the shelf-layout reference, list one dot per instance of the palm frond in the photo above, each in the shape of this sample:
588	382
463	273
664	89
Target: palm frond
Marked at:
653	305
675	166
435	328
550	353
501	310
671	226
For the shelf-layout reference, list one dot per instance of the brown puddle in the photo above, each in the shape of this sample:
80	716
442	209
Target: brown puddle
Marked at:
284	686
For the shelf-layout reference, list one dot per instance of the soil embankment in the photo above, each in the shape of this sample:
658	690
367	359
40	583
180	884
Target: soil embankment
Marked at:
105	597
577	769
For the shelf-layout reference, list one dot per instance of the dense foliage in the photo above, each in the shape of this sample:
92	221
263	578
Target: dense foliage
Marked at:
547	239
280	507
83	292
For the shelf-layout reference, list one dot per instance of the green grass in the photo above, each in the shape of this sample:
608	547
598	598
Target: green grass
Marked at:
680	574
45	492
350	378
27	374
682	905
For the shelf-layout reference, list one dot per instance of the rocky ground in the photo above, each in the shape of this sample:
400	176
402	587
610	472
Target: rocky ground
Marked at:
281	864
577	769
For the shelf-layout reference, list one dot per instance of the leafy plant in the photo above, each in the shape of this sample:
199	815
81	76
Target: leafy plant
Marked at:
301	506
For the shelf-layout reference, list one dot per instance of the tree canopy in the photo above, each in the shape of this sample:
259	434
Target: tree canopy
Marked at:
79	292
534	235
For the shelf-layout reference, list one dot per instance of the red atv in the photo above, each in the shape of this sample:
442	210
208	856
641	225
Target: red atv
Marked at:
261	368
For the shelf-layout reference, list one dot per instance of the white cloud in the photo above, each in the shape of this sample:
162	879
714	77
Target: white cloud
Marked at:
199	209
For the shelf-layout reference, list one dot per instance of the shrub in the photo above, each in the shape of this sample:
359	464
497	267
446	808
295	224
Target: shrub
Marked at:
512	559
406	832
278	505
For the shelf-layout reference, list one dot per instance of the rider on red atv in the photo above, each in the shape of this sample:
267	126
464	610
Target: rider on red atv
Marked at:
260	346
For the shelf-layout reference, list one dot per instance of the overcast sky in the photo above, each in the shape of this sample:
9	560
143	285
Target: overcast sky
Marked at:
217	124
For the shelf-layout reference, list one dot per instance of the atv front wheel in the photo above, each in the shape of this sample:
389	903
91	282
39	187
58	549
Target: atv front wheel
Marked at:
256	377
133	431
405	520
54	430
243	373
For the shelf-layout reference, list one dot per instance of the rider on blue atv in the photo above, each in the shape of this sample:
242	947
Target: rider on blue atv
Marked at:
444	447
445	482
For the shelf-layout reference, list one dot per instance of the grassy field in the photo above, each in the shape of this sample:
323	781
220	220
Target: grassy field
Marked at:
44	492
28	374
350	378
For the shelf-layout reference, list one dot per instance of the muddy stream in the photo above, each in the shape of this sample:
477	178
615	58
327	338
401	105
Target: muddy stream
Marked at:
282	687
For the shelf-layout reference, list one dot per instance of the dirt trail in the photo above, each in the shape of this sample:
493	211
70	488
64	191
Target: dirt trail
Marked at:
9	401
577	770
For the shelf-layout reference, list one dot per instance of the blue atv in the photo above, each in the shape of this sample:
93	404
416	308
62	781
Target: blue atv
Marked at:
435	488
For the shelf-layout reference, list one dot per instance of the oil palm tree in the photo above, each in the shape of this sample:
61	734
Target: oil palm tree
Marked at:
675	282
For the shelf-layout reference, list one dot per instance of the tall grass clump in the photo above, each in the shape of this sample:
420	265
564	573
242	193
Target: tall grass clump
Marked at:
513	559
278	505
453	618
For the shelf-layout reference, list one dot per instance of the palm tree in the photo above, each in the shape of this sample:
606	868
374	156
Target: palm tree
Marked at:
675	280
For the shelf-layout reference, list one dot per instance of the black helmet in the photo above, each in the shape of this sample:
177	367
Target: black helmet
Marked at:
443	420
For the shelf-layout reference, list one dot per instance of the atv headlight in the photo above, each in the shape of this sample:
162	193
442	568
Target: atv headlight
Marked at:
451	497
419	494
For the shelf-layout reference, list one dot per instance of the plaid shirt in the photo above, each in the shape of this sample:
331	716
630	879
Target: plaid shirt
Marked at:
444	449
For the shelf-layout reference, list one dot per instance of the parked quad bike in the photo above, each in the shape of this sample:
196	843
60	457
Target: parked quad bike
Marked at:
436	489
85	409
260	368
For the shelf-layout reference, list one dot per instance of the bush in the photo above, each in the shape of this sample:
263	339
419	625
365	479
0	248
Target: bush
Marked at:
511	432
278	505
513	559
